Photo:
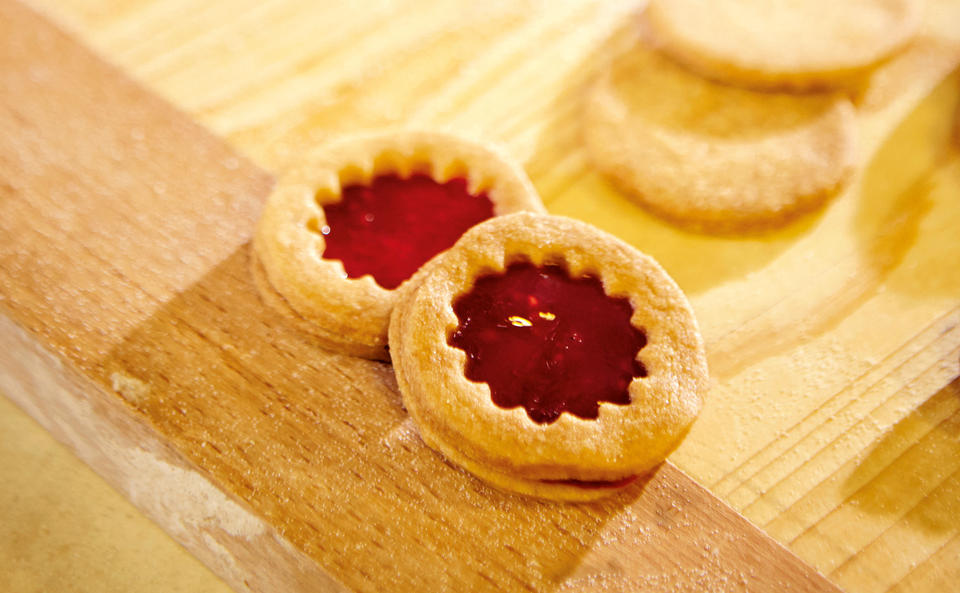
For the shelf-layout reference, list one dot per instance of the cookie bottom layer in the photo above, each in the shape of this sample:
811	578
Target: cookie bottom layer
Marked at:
547	489
559	490
325	339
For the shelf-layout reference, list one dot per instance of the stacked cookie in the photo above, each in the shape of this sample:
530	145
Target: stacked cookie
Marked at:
296	266
734	115
537	352
548	358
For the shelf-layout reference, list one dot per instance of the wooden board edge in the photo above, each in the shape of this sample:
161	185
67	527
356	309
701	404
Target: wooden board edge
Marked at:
245	551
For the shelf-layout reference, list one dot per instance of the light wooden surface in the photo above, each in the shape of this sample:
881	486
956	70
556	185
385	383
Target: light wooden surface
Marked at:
132	331
834	344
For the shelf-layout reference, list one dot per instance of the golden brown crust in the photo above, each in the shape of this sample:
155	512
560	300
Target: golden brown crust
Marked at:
458	416
514	483
324	339
352	314
797	44
711	157
956	126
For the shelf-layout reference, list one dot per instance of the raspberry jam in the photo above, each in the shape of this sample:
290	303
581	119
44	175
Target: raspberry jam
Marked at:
392	226
548	342
591	485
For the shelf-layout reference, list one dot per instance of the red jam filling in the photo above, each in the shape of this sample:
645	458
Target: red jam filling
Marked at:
596	484
548	342
392	226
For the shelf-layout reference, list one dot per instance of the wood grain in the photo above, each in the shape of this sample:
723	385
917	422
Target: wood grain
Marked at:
833	343
132	331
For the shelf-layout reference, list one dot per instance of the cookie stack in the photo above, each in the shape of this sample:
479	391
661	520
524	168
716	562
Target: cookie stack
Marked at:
734	116
548	357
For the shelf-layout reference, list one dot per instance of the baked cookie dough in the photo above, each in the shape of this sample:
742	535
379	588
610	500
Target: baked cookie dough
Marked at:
956	126
794	44
548	357
350	312
712	157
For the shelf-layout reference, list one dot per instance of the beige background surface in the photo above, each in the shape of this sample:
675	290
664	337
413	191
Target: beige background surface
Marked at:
64	529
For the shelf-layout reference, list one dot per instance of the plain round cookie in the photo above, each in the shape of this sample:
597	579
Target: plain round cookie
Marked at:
504	446
711	157
351	315
793	44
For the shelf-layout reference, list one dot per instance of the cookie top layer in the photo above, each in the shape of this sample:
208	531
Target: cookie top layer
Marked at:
797	44
352	314
459	416
713	157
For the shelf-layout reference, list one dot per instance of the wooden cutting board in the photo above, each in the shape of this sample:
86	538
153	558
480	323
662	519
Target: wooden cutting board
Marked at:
132	333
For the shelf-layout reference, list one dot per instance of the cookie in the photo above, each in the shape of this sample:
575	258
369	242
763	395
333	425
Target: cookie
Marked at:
351	222
711	157
548	357
956	126
788	44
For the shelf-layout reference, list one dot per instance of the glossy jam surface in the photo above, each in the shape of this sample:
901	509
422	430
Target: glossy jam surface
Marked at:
548	342
392	226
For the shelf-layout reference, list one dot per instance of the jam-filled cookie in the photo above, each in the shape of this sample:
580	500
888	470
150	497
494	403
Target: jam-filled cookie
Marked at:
348	225
712	157
548	357
794	44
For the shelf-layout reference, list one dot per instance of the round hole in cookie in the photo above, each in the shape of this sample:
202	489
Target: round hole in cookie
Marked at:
393	224
548	342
